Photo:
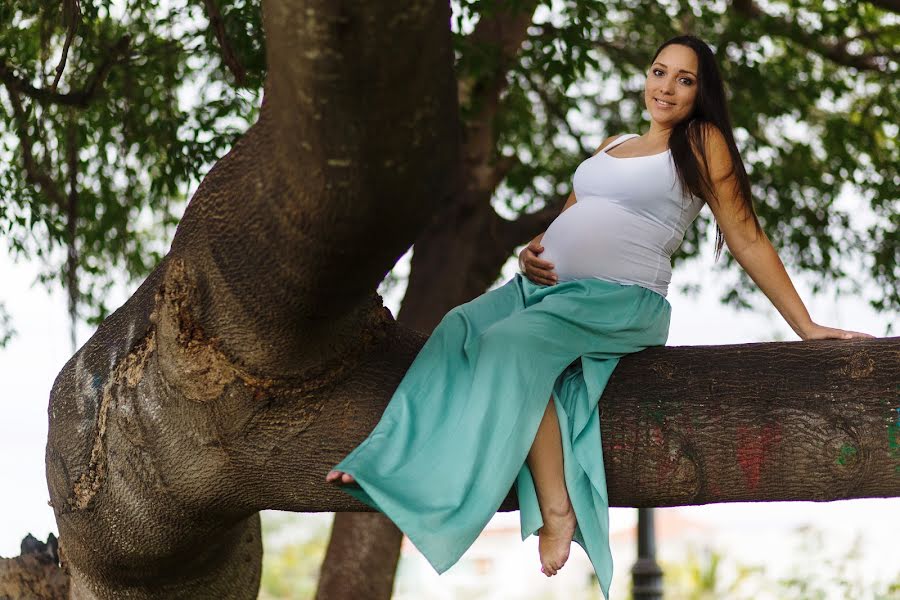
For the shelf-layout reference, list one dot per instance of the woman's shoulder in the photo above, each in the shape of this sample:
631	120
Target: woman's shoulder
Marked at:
717	164
609	140
712	138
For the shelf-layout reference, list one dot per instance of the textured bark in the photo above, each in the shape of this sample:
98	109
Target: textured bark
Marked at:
257	354
686	425
361	559
211	394
35	573
816	420
457	257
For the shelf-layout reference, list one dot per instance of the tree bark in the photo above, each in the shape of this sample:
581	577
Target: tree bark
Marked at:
362	557
687	425
458	256
202	399
257	354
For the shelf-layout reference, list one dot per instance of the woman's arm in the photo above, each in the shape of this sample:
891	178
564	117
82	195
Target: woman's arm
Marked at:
753	250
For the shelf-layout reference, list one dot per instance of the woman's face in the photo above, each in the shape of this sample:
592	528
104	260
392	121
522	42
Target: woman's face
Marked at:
672	86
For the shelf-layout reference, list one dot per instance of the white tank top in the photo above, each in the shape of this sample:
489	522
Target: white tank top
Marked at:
628	220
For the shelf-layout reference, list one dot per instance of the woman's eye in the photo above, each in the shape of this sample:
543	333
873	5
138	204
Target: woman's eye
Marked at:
685	80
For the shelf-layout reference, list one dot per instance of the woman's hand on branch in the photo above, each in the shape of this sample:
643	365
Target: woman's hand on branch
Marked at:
536	269
820	332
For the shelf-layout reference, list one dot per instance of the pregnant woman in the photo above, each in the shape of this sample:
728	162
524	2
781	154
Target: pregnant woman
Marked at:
504	393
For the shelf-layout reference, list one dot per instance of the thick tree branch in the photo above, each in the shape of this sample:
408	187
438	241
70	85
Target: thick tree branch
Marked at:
217	24
891	5
318	173
72	13
498	35
526	226
502	165
81	98
837	52
770	421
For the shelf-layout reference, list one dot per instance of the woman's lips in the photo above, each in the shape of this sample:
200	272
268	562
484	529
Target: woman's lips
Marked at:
663	104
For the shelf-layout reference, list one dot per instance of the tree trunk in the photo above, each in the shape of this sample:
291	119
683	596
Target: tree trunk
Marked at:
362	557
257	353
202	400
457	257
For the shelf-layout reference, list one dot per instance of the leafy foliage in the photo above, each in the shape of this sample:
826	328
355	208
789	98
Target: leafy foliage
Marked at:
813	92
291	566
6	329
166	110
815	574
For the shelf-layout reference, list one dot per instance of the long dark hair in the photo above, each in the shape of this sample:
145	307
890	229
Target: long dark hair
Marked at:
689	135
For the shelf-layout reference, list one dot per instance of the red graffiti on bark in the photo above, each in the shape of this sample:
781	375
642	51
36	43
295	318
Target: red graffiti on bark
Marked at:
665	465
754	443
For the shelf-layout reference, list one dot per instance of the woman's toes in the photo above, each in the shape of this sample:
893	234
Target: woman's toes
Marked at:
334	476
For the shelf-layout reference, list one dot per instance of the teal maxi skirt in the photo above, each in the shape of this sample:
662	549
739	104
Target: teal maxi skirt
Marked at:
454	438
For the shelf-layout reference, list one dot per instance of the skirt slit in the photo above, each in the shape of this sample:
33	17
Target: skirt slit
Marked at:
454	437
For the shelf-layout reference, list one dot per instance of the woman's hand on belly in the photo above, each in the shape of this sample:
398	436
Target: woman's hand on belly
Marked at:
534	268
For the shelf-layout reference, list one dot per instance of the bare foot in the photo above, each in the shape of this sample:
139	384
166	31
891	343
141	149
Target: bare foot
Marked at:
555	539
339	477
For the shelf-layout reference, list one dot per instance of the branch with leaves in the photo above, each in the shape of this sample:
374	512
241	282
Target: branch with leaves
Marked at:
81	98
837	52
217	24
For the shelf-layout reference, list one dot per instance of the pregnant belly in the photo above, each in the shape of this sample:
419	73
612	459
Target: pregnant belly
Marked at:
597	238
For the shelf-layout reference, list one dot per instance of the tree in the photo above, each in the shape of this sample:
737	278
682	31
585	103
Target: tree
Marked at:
103	151
244	358
113	110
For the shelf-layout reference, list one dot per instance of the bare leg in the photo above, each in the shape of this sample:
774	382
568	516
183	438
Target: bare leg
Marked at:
545	460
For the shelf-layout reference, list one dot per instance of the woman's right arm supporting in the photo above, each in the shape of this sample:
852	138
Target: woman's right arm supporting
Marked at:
537	269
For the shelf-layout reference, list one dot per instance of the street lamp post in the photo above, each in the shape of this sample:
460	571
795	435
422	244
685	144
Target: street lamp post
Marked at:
646	576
